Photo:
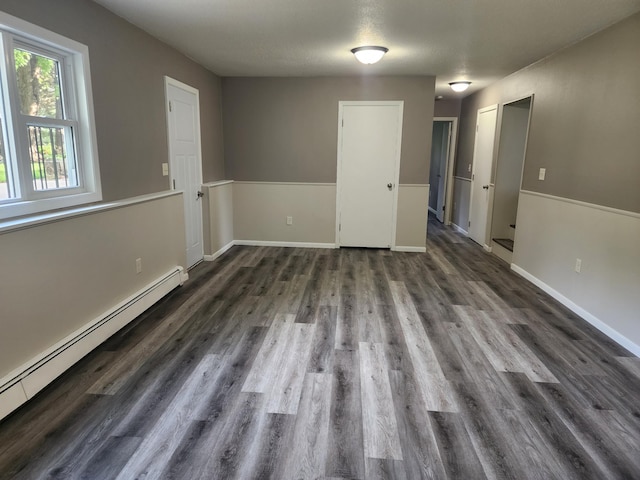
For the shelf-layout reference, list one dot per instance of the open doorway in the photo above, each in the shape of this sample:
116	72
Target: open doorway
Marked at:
510	163
441	170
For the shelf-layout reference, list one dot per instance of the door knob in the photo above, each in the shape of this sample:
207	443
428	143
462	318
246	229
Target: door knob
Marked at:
389	186
486	187
200	194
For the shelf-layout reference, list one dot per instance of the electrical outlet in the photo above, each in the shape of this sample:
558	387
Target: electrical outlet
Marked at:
165	169
289	220
541	175
578	265
469	168
138	265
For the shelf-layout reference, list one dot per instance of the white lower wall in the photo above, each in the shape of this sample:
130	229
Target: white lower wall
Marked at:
218	221
58	276
553	232
260	211
411	219
461	199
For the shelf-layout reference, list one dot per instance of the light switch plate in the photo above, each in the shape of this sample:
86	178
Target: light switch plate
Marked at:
541	175
165	169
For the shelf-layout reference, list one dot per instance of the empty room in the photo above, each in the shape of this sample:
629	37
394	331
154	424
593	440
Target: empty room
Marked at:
319	240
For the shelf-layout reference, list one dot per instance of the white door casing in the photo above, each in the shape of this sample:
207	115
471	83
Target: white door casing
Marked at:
185	164
369	143
442	174
453	135
481	174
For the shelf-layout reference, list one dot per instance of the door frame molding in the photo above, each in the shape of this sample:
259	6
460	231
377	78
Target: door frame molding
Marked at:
396	180
168	81
487	233
448	200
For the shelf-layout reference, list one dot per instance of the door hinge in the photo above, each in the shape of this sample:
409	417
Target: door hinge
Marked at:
469	222
343	122
477	126
443	207
174	183
340	227
170	106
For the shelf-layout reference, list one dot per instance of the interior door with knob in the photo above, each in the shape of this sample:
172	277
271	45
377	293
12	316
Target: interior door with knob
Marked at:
481	175
369	140
185	165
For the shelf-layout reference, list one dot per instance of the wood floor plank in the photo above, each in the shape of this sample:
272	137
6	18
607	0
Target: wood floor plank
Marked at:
265	367
345	450
421	457
308	454
435	387
321	357
384	469
380	431
454	445
505	351
163	439
284	393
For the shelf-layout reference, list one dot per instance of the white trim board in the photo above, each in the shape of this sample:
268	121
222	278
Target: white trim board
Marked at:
270	243
222	251
459	229
617	211
217	184
592	319
250	182
409	249
44	368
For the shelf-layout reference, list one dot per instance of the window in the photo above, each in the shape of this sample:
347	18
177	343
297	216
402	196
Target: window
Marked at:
48	155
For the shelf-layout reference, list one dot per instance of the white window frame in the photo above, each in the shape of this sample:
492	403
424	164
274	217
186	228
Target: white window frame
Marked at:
75	76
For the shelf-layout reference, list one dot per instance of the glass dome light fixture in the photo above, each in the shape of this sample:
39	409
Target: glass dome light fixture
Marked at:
459	86
370	54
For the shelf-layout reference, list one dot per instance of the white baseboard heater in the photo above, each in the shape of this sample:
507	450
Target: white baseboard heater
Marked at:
26	381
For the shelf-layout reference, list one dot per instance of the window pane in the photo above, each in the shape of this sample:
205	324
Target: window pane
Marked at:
6	188
51	164
38	79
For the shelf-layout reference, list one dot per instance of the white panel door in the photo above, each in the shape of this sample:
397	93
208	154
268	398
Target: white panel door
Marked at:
183	116
481	176
368	160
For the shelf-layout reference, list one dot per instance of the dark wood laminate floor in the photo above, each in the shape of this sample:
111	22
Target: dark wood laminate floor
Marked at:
292	363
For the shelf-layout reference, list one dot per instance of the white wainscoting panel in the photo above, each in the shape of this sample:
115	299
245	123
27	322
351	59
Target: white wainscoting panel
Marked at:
553	232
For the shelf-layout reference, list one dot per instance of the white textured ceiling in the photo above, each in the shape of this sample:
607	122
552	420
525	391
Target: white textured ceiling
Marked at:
477	40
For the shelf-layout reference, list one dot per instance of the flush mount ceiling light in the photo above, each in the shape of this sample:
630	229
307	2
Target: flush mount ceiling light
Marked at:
369	55
459	86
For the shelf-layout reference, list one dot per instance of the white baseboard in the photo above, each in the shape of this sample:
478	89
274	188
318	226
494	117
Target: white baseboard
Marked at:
409	249
268	243
459	229
211	258
26	381
487	248
592	319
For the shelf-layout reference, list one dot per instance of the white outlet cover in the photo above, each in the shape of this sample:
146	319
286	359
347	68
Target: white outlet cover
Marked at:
165	169
541	175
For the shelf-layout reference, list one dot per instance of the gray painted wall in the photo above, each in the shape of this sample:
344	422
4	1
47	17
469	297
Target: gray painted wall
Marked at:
584	127
286	129
127	69
447	108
